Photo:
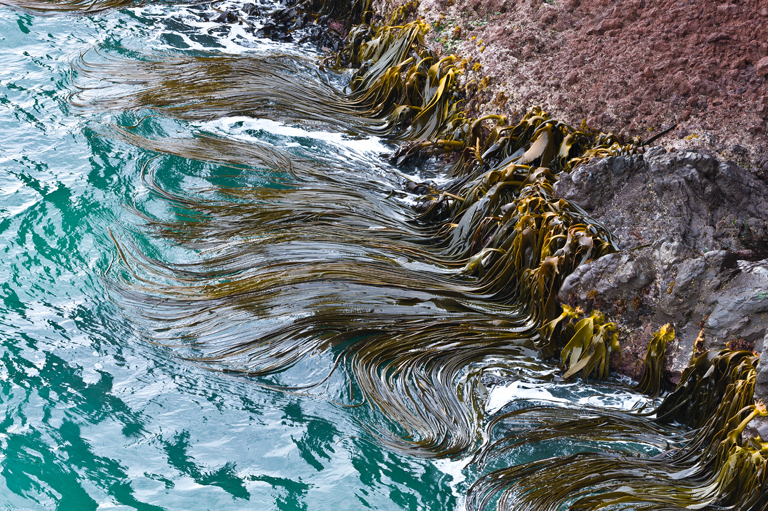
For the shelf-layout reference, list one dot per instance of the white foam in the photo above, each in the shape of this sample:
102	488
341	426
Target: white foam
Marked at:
238	128
233	39
455	469
574	395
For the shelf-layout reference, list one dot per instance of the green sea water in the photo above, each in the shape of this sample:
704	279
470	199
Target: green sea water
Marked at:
92	416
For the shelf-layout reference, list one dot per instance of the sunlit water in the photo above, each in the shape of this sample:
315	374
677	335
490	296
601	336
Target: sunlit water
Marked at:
93	415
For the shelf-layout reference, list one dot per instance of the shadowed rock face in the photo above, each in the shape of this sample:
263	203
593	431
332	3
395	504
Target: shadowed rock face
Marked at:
694	234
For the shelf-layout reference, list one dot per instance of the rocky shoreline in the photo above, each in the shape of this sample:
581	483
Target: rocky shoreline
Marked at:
692	225
691	215
694	236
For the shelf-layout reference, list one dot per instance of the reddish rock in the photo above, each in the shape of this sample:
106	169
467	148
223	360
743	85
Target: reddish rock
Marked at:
739	63
645	63
762	67
717	36
605	25
728	9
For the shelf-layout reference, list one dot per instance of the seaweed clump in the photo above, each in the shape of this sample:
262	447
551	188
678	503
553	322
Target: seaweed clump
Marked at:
653	365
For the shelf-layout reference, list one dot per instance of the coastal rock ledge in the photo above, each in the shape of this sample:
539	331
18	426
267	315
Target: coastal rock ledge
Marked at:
693	233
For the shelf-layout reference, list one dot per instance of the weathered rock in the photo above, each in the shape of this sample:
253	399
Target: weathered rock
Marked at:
761	68
632	68
761	387
694	237
606	25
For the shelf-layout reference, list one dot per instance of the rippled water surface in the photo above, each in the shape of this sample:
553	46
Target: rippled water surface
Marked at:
94	415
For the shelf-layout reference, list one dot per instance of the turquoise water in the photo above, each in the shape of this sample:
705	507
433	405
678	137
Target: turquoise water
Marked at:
95	416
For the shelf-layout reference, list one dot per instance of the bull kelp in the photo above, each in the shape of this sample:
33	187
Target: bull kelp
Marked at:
403	294
707	467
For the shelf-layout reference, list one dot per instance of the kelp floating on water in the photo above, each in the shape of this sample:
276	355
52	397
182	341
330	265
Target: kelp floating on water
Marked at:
470	303
708	467
416	304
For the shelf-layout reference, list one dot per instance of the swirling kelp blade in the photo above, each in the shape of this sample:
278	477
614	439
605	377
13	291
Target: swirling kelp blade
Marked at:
211	86
696	468
272	269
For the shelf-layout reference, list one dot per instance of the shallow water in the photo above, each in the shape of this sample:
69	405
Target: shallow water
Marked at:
95	415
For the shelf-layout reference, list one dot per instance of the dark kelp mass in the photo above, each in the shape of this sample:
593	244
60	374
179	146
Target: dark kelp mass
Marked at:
417	302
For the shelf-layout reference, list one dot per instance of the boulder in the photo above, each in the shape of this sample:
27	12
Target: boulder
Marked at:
693	233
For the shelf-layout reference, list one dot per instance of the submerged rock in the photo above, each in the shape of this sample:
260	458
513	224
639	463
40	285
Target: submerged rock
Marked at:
694	237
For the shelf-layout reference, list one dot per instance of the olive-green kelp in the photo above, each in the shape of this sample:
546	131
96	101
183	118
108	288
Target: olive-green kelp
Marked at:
415	306
707	467
650	381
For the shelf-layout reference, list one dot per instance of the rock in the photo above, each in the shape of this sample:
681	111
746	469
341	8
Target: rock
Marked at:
740	306
605	25
761	385
761	68
717	36
739	149
227	17
728	9
571	5
739	63
686	223
251	10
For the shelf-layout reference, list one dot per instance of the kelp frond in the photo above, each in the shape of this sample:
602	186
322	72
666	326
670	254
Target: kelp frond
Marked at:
323	252
653	365
588	351
585	345
213	86
415	304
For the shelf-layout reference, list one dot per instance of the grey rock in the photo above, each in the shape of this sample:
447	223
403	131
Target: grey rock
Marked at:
757	427
694	234
761	385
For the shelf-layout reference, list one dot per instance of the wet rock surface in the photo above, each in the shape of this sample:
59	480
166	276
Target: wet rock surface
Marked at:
694	237
293	21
